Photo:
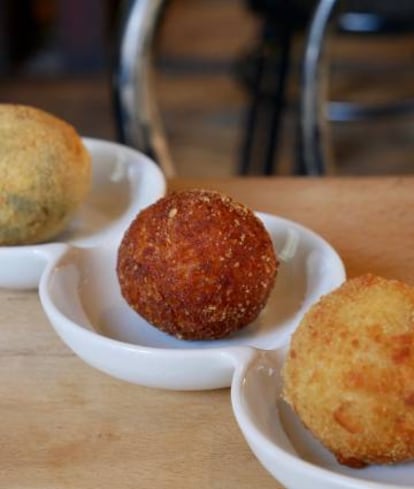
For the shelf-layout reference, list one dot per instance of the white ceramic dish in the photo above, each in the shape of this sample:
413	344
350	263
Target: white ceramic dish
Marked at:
283	446
80	295
123	181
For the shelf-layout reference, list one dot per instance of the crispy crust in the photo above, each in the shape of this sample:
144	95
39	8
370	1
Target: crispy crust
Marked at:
349	374
44	174
197	265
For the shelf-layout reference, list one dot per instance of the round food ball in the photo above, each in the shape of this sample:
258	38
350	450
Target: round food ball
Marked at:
197	265
349	373
44	174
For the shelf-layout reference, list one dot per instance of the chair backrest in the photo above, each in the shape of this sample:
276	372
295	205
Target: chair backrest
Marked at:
315	157
137	117
384	8
315	152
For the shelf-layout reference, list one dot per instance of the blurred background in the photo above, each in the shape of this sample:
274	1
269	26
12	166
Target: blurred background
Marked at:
58	55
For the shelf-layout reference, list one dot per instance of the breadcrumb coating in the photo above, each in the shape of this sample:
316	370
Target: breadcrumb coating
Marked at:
197	265
45	174
349	374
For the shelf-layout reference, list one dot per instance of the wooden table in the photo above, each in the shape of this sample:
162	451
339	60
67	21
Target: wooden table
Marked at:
66	425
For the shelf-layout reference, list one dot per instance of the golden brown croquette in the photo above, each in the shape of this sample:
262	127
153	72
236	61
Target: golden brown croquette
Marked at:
197	265
349	373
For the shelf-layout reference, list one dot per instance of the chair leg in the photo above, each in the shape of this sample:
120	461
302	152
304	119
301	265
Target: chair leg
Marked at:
264	116
277	102
250	128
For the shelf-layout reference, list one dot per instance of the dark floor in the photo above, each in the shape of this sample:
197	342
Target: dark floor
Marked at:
203	101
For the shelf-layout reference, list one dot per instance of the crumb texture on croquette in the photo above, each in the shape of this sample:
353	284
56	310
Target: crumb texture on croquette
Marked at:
349	373
197	265
44	174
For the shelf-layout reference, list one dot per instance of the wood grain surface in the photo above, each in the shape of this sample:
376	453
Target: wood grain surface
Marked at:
65	425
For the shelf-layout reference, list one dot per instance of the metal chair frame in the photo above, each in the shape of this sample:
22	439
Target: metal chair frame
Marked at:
139	124
315	154
313	145
137	116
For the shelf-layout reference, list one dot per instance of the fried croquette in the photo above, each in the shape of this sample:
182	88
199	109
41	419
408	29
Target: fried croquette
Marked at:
349	373
197	265
44	174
